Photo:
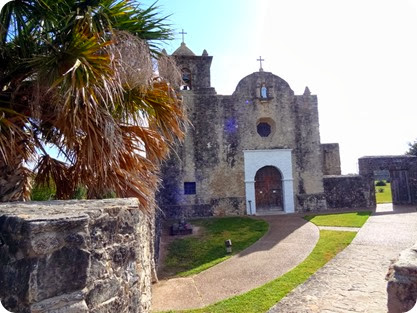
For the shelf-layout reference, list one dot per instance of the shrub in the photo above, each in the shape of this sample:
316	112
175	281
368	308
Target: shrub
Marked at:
380	183
43	192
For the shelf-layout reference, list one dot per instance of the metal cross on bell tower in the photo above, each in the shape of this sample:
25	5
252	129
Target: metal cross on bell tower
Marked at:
260	63
182	33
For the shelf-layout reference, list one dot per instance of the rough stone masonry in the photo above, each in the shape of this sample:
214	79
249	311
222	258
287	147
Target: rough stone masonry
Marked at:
76	256
402	282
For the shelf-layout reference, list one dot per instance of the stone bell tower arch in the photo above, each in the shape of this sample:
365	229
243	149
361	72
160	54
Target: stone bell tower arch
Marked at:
195	69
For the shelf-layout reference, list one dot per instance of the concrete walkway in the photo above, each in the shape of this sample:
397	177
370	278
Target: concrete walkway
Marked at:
289	241
354	281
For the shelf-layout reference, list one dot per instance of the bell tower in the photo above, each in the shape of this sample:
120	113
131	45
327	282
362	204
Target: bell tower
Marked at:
195	69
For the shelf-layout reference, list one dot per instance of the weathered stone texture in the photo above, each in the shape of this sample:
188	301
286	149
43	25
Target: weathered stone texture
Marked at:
348	191
312	202
403	175
199	69
76	256
330	158
402	282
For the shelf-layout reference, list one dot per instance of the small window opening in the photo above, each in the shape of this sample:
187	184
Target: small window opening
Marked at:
264	129
189	188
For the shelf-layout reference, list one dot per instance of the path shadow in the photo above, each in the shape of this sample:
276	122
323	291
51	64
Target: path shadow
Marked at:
281	227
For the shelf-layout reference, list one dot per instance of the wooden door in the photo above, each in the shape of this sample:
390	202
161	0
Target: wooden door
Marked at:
268	189
400	187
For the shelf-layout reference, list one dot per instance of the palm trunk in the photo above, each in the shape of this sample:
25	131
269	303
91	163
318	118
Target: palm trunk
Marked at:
15	181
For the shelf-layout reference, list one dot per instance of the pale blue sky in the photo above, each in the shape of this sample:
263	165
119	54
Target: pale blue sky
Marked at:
358	56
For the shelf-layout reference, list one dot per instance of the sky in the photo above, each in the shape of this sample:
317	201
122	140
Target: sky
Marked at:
358	56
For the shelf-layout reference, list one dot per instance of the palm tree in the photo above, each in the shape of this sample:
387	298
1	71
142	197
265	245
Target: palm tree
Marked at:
77	76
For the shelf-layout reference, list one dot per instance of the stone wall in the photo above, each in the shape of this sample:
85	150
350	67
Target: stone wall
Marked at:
404	190
330	158
76	256
232	206
402	282
312	202
347	191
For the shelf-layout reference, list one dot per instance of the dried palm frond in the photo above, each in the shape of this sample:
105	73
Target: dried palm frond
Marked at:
131	59
169	71
50	169
15	137
166	111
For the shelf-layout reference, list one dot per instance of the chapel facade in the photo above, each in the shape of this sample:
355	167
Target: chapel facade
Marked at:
257	151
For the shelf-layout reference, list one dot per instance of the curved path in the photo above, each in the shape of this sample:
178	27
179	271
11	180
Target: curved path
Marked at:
288	242
354	280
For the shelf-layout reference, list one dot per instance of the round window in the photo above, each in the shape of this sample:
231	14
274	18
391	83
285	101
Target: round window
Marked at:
264	129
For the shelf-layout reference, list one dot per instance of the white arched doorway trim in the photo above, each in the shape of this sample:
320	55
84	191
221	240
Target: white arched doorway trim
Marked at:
279	158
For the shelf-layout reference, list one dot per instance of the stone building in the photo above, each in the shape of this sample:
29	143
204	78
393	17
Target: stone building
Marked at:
255	151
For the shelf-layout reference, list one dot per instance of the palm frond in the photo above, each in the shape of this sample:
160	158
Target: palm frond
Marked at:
15	137
51	169
167	113
169	71
84	83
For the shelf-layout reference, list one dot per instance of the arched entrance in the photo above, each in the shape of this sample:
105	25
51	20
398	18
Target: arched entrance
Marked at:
268	189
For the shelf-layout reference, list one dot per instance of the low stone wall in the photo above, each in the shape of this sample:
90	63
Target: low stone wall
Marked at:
311	202
76	256
231	206
402	282
186	211
347	191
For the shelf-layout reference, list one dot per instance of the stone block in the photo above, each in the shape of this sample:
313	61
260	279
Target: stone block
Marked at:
103	291
402	282
61	272
76	256
68	303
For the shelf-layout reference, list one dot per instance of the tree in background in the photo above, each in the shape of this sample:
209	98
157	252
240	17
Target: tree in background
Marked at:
77	77
412	148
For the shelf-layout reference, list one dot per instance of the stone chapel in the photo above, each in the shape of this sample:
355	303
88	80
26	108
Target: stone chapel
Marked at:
257	151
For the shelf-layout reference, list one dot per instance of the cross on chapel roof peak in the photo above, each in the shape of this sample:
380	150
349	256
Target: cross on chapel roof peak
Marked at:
260	63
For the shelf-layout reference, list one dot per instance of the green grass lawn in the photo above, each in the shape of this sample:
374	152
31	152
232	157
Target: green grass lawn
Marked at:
383	194
191	255
330	243
261	299
353	219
